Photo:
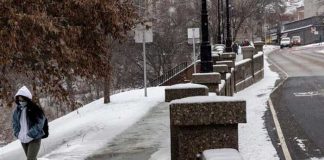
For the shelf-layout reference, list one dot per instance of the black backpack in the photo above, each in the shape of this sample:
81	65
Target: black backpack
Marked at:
45	129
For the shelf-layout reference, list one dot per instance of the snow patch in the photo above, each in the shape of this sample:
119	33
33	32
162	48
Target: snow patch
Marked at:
222	154
206	99
300	143
185	86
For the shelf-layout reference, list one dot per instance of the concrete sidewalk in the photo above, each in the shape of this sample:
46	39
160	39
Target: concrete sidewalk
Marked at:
141	140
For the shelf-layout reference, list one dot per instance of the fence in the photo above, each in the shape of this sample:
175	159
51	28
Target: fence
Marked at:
169	74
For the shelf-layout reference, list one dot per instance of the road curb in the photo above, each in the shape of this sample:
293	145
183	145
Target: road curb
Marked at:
280	135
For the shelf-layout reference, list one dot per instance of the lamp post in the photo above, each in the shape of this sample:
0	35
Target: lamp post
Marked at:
205	49
228	29
223	21
219	36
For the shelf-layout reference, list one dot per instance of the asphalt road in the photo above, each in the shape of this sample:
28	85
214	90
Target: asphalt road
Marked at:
299	101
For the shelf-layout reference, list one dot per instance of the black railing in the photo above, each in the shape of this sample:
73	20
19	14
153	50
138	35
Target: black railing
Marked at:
169	74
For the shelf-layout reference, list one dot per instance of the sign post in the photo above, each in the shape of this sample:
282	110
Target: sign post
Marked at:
144	34
193	37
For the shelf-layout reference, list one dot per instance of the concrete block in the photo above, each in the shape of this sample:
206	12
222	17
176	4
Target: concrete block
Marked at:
221	68
211	80
179	91
204	122
215	57
248	52
258	46
230	64
228	56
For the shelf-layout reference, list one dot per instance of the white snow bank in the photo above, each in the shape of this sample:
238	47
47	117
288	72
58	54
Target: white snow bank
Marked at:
209	74
242	62
80	133
206	99
222	154
185	86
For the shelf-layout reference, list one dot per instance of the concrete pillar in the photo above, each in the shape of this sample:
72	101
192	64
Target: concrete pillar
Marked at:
229	63
204	122
179	91
222	69
228	56
215	57
248	52
211	80
258	46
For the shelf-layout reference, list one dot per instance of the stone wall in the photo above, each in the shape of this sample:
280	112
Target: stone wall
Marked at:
243	74
258	64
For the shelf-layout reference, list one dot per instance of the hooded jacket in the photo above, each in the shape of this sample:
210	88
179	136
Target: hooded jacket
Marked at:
34	116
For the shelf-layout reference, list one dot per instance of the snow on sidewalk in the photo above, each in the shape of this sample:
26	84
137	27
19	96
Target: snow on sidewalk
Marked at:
139	141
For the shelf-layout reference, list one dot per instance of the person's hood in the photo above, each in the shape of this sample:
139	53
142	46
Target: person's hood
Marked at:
23	91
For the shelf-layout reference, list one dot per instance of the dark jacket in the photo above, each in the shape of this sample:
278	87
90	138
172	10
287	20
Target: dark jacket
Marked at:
35	121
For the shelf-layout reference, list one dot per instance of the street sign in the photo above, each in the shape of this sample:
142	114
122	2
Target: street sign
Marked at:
139	31
144	34
193	33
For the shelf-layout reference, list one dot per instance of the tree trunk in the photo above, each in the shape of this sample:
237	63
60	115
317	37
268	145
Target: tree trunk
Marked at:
107	82
107	90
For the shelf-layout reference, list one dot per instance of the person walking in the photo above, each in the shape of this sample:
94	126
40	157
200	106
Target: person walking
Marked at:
235	47
28	122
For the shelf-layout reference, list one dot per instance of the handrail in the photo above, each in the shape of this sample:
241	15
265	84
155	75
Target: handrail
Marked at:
169	74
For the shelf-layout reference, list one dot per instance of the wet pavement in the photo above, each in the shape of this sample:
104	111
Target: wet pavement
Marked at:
141	140
299	101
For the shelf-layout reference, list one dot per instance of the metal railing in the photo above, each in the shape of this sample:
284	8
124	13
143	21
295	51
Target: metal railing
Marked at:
169	74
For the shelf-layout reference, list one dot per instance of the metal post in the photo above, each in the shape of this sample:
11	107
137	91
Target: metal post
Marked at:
205	49
219	36
223	24
228	30
144	58
194	49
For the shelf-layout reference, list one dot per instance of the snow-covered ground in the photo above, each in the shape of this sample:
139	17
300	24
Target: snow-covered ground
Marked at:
83	132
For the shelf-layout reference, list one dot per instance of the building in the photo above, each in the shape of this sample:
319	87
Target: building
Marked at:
313	8
300	13
311	30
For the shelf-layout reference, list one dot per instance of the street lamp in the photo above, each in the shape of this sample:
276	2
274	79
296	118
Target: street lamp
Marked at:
206	64
228	29
219	36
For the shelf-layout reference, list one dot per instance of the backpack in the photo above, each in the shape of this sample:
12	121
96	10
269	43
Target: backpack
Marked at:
45	129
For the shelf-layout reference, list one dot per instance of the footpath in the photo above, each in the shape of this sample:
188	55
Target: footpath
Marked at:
141	140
